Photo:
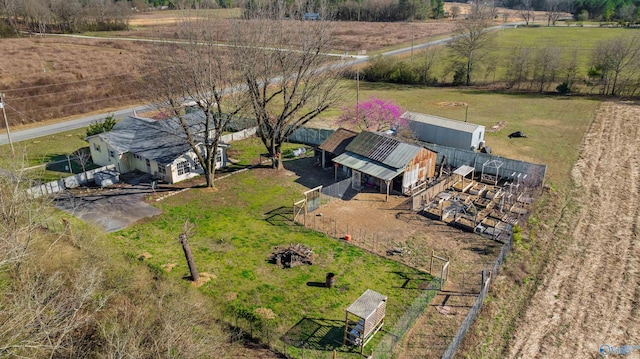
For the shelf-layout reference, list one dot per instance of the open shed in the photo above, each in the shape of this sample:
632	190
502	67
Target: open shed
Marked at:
364	318
464	183
377	160
335	145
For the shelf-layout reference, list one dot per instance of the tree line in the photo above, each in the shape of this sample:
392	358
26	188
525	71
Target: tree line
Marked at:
65	16
471	58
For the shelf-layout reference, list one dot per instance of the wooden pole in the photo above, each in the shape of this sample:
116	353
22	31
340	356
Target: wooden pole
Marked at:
189	255
6	123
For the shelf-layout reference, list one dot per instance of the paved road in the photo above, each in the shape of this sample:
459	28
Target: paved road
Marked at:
46	130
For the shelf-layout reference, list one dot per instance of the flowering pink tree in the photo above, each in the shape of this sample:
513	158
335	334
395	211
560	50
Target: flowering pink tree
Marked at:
374	115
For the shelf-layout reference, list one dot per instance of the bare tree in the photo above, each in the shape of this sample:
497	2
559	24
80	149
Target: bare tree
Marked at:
454	12
525	10
569	70
82	157
628	13
198	70
554	10
546	64
518	67
290	78
617	63
470	45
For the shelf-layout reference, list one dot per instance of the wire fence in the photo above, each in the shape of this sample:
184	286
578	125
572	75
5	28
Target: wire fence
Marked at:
403	251
475	310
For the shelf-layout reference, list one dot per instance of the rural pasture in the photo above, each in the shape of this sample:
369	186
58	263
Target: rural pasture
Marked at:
537	307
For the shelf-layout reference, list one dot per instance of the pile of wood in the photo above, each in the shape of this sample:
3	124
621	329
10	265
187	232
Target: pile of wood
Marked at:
292	255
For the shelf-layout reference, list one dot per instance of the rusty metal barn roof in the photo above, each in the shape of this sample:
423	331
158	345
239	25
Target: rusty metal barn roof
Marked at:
365	165
386	150
338	141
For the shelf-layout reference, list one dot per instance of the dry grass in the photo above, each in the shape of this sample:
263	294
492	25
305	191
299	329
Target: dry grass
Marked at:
49	78
53	78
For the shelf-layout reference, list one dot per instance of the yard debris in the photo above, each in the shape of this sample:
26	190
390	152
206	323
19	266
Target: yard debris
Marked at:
291	256
498	126
265	313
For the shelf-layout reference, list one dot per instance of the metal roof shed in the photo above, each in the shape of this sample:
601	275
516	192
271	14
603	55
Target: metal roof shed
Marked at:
444	131
369	309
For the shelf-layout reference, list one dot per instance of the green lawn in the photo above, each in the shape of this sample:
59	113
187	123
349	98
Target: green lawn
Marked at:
236	228
582	40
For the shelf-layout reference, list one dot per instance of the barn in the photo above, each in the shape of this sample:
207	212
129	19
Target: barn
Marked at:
381	162
445	132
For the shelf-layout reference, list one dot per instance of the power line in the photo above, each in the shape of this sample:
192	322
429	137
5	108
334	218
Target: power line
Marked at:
82	103
23	115
66	83
77	89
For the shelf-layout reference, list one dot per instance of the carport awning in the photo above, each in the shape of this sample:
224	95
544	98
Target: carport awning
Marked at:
370	167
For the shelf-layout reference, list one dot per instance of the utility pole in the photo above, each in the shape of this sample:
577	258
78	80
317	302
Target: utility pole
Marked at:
411	42
466	111
6	123
357	87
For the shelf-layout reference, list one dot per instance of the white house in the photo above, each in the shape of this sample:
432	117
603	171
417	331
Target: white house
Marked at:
445	132
157	147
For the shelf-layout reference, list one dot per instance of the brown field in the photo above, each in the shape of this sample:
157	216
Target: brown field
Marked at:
589	294
56	77
50	78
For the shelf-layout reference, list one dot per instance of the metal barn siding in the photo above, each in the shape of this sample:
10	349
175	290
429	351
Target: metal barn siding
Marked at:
419	169
445	132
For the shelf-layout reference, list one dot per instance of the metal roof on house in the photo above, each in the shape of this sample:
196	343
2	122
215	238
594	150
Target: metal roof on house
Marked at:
370	167
366	304
441	122
159	140
338	141
386	150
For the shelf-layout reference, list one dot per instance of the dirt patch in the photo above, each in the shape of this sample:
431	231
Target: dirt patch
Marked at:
589	294
230	296
168	267
497	127
450	104
204	278
144	256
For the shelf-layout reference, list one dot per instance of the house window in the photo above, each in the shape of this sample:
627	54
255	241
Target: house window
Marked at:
219	157
96	147
162	170
112	154
148	162
196	164
183	167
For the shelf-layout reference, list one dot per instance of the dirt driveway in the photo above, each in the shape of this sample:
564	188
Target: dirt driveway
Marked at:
588	304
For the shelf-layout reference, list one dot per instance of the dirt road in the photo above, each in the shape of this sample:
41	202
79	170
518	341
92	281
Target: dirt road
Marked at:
589	300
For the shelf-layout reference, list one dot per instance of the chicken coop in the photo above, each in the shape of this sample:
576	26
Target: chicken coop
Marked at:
364	318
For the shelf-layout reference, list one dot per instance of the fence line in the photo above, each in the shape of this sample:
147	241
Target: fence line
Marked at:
475	310
373	242
240	135
67	182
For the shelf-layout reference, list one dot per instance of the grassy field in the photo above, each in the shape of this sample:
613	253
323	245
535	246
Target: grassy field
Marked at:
235	230
555	124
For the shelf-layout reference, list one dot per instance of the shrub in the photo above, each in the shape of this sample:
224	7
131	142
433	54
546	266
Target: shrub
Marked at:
563	88
101	126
